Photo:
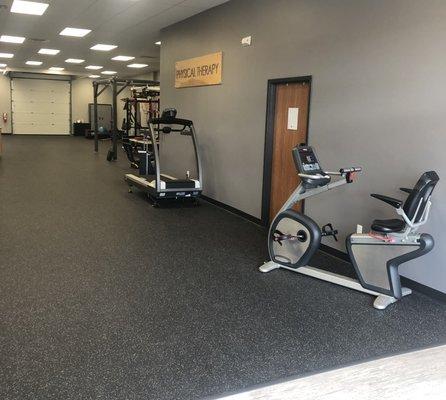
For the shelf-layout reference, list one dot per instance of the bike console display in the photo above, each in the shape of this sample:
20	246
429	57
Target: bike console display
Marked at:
306	161
309	168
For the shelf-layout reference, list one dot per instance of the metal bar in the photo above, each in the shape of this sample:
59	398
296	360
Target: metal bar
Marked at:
136	82
137	118
179	190
197	156
115	120
157	158
102	90
95	116
71	108
141	82
128	118
121	89
334	278
103	82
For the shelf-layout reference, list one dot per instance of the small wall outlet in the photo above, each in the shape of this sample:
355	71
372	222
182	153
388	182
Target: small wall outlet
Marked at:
246	41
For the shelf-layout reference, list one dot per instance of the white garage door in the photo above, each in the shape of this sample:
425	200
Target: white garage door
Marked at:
40	107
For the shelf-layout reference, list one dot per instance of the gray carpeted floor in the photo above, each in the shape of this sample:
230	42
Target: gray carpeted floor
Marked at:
104	297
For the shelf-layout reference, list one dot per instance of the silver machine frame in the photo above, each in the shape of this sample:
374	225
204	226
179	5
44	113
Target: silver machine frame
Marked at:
407	237
133	180
157	163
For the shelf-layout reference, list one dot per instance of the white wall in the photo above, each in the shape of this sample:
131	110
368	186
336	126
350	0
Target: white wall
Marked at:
5	103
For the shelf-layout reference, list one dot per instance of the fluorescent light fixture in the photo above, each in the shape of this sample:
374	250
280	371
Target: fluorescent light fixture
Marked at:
94	67
75	32
56	69
33	63
158	43
28	7
103	47
74	61
123	58
11	39
6	55
109	72
94	76
137	65
51	52
3	65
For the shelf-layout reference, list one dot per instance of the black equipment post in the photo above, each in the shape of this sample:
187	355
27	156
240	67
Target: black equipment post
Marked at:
95	113
115	119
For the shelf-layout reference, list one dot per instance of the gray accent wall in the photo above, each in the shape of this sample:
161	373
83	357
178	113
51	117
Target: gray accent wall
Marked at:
378	101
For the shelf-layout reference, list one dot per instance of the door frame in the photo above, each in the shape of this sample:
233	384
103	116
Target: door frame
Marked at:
269	138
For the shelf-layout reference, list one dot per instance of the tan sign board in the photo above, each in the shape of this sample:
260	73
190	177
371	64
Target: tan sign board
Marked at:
199	71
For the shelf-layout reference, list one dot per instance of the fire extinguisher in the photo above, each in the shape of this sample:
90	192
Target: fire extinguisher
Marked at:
5	118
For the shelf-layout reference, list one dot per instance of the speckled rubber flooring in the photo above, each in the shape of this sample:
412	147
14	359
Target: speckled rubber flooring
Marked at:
104	297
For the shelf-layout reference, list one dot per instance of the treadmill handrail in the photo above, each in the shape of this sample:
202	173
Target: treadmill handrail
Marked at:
157	157
171	121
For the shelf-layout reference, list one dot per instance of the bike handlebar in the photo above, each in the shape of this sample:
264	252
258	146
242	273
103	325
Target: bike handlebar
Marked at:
350	169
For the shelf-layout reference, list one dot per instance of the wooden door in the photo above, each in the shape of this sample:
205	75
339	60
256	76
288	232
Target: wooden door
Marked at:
291	99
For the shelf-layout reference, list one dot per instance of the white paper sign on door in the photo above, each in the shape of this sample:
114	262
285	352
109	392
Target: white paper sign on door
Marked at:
293	118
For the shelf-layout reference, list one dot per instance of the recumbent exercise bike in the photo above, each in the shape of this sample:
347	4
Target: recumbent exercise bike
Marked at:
294	238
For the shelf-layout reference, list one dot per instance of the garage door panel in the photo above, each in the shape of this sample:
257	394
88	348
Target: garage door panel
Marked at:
38	97
41	119
40	106
36	129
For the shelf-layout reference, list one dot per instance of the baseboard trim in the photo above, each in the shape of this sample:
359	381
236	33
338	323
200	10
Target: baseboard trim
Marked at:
418	287
428	291
232	210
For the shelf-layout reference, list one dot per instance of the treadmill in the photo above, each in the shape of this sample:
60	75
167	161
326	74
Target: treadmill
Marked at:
160	186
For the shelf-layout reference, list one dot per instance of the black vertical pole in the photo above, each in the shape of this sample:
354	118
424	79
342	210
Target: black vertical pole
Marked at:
115	120
128	118
137	117
95	116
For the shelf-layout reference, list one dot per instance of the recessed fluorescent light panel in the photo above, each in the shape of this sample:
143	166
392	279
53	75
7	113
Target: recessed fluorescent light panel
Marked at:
94	67
3	65
56	69
109	72
158	43
94	76
50	52
123	58
103	47
28	7
33	63
137	65
74	61
6	55
11	39
75	32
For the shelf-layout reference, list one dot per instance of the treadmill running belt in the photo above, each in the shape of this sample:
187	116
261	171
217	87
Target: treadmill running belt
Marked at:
178	183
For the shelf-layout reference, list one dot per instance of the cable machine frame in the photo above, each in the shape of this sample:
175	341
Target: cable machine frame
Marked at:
117	85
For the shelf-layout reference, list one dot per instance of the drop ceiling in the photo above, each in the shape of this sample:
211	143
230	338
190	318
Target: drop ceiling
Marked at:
133	25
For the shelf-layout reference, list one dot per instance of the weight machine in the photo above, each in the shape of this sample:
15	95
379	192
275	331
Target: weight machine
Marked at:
117	86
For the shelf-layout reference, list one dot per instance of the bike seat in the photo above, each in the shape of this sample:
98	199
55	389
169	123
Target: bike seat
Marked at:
388	225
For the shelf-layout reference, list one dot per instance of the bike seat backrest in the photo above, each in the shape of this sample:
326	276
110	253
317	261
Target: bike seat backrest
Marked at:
420	193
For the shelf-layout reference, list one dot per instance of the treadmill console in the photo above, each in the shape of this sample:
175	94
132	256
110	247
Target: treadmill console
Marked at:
306	161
